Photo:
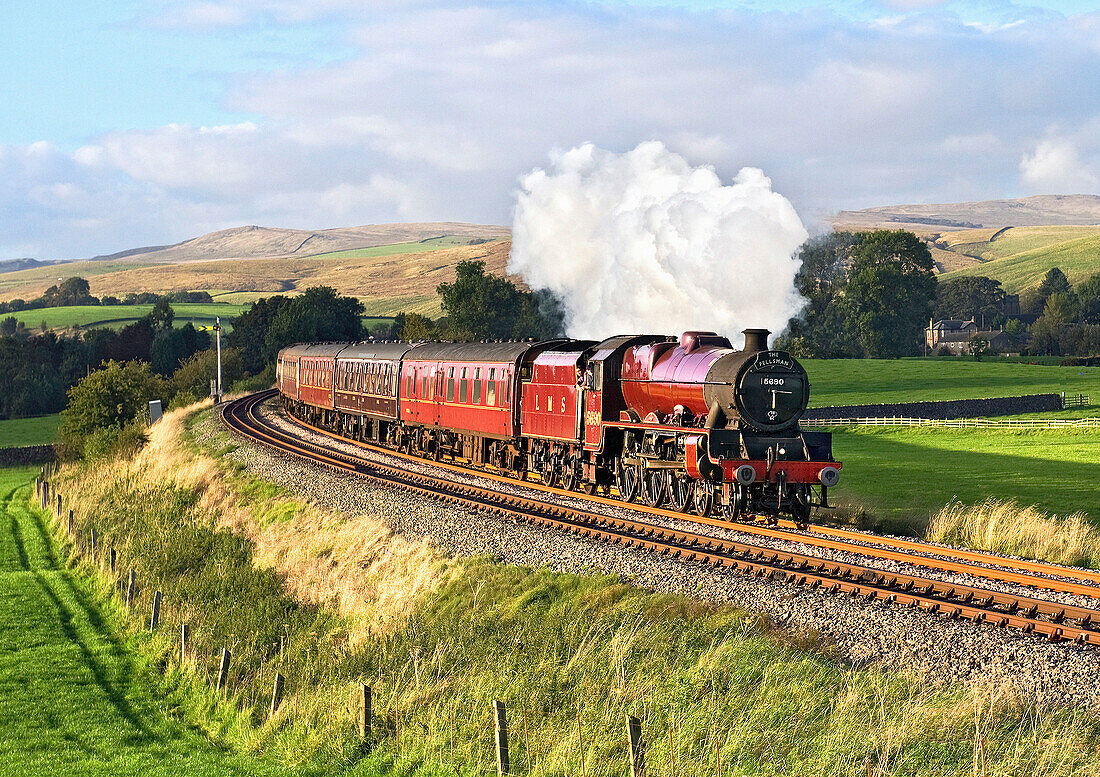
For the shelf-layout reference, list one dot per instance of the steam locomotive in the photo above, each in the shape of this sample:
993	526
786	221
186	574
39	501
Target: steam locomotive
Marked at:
687	423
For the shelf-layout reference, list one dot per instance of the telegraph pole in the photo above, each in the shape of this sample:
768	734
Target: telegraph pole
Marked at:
218	333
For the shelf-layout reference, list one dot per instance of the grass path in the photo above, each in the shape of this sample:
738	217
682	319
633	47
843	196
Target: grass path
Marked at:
74	699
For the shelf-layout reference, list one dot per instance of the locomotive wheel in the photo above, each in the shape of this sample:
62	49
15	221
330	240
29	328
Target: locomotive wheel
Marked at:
703	499
801	507
570	473
550	469
627	480
653	488
681	488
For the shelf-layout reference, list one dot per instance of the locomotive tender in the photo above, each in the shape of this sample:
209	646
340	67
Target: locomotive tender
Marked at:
691	424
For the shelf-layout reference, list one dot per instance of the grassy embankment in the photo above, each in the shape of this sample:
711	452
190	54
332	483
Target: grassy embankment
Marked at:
901	476
18	432
570	654
1021	256
77	694
118	316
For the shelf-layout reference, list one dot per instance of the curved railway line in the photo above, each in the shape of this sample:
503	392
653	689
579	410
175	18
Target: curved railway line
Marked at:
1055	620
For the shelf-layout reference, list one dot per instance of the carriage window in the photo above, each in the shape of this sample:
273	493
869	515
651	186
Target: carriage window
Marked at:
492	390
409	382
451	384
476	398
424	386
462	390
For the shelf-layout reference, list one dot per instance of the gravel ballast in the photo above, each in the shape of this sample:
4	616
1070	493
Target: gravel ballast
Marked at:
935	649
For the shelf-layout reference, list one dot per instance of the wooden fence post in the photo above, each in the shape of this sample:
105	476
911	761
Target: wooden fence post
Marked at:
95	543
637	746
112	555
131	588
363	705
70	522
276	694
503	767
185	633
59	505
154	619
223	670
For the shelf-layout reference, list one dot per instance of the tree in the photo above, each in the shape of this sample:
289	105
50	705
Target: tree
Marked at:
1088	300
978	298
71	291
191	381
1054	282
889	293
320	314
416	327
482	305
1061	308
249	332
162	315
821	329
107	399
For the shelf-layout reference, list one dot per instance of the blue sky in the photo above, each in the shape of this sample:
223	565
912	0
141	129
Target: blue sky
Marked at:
132	123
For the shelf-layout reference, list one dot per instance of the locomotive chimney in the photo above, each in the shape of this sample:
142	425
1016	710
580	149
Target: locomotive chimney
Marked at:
756	340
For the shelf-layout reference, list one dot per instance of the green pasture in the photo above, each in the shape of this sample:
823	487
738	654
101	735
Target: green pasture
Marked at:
414	247
53	273
1020	257
902	475
18	432
873	381
75	697
388	307
118	316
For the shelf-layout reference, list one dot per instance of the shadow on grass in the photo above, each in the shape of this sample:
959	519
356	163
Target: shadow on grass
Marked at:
900	484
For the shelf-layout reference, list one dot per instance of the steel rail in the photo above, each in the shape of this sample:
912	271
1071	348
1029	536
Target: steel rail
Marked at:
1033	574
1053	620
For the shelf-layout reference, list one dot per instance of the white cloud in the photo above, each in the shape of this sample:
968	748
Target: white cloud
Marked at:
1055	167
440	108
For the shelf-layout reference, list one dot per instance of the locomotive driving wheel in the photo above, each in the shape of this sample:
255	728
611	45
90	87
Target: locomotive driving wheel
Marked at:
627	479
653	488
702	500
681	489
551	470
570	472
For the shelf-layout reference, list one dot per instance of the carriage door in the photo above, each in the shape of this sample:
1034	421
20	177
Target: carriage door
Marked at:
593	405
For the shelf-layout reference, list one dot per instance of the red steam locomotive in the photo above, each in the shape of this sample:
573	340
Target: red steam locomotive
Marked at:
688	423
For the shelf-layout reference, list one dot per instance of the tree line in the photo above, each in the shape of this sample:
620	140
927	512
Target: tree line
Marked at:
76	291
872	294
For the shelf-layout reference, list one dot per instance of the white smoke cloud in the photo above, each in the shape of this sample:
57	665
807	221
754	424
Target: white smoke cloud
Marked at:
645	242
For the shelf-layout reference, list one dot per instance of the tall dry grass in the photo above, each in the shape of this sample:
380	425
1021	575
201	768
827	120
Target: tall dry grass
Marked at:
353	564
1006	527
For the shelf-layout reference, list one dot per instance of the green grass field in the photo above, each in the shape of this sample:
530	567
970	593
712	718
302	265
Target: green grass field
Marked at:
1020	257
118	316
17	432
902	475
75	699
415	247
873	381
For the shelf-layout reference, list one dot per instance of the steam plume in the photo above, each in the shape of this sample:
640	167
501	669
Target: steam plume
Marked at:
644	242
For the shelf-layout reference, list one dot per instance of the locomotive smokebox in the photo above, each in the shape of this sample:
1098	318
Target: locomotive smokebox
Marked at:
755	340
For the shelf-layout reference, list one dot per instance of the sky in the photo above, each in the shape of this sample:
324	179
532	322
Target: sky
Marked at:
133	123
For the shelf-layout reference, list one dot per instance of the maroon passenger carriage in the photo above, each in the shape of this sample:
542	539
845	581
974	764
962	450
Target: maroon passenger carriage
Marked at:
689	423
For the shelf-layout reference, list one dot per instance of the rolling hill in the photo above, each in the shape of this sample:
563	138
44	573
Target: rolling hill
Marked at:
391	267
1013	241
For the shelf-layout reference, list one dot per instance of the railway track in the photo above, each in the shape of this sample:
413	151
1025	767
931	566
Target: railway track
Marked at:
1054	620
